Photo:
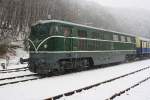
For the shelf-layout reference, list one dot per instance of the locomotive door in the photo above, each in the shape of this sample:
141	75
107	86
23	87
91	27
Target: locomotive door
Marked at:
68	42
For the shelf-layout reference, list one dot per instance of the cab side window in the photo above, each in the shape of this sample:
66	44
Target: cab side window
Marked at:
66	31
129	39
115	37
54	29
123	39
95	35
82	33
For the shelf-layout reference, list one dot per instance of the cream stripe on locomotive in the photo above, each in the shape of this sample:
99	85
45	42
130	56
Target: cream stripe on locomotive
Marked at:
36	49
81	51
33	44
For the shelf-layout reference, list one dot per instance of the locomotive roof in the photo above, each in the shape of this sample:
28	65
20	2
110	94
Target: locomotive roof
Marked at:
144	39
80	25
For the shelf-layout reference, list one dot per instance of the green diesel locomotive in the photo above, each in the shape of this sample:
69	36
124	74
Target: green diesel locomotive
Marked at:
57	46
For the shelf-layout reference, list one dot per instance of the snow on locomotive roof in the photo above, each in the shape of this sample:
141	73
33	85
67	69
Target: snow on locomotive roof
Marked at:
75	24
144	39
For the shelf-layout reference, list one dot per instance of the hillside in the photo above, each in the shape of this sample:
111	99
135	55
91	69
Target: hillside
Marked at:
16	16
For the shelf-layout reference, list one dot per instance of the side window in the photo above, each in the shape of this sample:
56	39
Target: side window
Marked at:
82	33
128	39
66	31
54	29
145	44
74	32
123	38
95	35
101	35
142	43
133	40
115	37
107	36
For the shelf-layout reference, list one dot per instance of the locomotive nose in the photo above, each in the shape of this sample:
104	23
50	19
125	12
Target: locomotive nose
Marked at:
37	65
32	65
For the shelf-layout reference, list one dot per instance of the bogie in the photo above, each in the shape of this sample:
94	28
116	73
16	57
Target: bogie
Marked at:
75	63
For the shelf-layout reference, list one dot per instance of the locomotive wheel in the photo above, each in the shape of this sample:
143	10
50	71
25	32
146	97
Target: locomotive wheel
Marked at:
82	64
62	71
56	72
81	68
76	64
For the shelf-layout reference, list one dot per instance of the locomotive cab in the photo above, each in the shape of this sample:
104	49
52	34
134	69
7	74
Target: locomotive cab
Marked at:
48	46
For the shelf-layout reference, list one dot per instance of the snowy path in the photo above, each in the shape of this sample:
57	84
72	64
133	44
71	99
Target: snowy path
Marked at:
45	88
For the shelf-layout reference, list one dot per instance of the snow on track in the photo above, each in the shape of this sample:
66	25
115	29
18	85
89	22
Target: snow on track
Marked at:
5	75
140	92
16	79
47	87
105	91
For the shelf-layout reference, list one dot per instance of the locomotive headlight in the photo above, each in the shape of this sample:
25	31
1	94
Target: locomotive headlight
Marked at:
45	46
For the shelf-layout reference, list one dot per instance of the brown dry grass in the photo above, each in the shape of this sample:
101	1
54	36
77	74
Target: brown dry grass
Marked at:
3	49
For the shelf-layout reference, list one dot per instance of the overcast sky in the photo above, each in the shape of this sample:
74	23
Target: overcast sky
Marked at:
126	3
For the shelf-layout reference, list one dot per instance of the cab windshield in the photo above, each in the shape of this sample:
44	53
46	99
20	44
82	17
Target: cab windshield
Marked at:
39	31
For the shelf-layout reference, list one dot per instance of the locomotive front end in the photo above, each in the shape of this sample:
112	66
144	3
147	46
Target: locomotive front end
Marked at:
38	61
45	42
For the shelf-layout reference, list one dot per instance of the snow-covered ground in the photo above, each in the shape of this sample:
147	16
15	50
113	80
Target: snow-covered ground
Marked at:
52	86
138	93
13	61
105	91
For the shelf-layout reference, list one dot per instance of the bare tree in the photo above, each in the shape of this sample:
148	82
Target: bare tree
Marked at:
17	16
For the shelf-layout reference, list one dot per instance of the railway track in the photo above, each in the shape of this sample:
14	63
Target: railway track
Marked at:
17	79
128	89
14	70
101	83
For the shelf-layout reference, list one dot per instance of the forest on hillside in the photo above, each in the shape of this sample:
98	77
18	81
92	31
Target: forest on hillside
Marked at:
17	16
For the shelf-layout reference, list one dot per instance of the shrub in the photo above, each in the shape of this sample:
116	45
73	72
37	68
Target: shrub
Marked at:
3	48
26	45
